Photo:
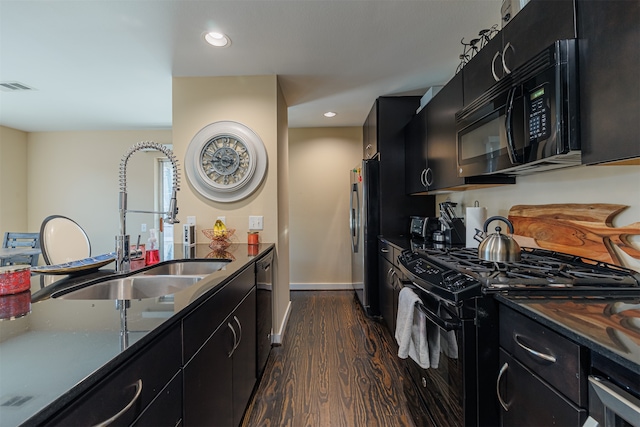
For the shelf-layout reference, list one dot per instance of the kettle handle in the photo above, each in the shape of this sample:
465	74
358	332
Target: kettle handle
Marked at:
498	218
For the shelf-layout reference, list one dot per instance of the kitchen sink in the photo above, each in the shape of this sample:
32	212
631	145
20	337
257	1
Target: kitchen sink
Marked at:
185	268
163	279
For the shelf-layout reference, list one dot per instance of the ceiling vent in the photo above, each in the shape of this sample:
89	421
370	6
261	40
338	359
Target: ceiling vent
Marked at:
14	87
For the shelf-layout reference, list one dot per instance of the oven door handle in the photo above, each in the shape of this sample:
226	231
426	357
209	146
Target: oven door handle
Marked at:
614	398
446	324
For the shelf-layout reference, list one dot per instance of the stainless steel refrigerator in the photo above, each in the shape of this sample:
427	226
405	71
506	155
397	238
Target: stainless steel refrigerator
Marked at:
365	226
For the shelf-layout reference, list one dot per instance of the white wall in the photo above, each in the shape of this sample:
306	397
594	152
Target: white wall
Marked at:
13	180
581	184
75	174
320	160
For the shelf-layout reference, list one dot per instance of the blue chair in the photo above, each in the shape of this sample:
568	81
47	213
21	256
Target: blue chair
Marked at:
21	240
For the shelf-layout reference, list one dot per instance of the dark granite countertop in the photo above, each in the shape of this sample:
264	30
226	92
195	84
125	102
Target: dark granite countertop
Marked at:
52	350
608	326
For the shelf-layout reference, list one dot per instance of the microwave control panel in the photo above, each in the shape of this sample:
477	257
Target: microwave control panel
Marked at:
539	115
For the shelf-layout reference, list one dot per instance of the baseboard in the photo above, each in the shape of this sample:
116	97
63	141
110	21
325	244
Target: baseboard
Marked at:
276	339
320	286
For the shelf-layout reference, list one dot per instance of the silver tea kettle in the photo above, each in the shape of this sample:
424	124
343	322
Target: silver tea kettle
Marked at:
497	246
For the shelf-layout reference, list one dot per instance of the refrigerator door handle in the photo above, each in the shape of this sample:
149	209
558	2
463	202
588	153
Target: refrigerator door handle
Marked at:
354	220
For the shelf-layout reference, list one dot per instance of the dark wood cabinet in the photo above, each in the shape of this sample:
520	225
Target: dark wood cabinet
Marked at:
208	382
534	28
390	278
431	147
126	393
220	376
609	36
370	133
543	375
417	176
391	115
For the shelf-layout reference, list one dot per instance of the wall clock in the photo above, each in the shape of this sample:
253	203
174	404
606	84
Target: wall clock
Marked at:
226	161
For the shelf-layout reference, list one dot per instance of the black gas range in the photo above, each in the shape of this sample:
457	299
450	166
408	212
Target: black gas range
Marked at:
455	290
456	273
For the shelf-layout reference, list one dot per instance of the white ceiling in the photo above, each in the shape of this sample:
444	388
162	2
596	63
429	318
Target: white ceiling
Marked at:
108	64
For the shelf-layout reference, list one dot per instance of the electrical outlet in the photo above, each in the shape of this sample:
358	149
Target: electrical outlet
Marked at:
255	222
143	228
223	219
191	220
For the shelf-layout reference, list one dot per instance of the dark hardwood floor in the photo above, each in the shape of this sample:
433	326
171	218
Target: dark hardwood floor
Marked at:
336	367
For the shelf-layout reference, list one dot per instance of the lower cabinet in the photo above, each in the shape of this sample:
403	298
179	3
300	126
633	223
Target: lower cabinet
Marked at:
219	379
542	378
133	392
389	278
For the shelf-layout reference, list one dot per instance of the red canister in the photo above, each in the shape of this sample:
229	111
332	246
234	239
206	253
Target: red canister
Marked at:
15	306
253	237
14	279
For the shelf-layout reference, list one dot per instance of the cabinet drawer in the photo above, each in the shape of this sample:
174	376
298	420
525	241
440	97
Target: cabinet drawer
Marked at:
205	319
152	368
530	401
166	410
548	354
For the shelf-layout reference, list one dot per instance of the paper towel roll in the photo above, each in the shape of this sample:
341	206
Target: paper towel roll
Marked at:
475	218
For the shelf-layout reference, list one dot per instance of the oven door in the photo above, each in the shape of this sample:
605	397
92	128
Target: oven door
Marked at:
441	386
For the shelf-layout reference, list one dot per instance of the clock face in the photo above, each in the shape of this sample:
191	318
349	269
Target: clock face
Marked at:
225	161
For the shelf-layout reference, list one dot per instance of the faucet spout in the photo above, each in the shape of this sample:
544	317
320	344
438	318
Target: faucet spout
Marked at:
122	240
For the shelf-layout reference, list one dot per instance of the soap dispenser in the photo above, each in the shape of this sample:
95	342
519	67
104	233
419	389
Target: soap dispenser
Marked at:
152	254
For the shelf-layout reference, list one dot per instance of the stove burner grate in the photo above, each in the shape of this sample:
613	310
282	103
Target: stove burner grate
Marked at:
537	269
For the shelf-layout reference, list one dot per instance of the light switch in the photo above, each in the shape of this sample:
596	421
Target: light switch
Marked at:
255	222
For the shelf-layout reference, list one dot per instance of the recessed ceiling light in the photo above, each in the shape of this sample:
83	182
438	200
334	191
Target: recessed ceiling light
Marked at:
217	39
329	114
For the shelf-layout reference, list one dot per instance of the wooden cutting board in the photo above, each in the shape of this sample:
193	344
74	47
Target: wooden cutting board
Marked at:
578	229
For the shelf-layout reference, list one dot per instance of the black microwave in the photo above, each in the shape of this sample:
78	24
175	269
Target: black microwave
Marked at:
526	122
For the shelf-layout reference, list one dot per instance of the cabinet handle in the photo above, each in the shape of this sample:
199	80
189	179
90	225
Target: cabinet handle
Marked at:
423	178
138	386
235	339
546	357
428	177
504	404
493	66
240	328
384	250
366	151
504	51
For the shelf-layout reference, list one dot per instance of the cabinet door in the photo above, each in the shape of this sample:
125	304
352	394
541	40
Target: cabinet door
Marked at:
530	401
535	27
208	381
370	133
609	84
415	145
385	271
480	73
130	389
244	356
166	410
441	134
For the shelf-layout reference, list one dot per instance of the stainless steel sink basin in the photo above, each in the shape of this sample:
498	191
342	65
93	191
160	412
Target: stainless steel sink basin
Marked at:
133	287
185	268
163	279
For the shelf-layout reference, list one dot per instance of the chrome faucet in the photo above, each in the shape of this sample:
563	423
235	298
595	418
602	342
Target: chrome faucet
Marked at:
123	263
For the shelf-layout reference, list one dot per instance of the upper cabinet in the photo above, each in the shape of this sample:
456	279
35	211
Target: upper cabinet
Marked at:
534	28
370	133
431	153
609	35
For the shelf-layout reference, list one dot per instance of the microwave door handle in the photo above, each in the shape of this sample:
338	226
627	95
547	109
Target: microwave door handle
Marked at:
513	156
